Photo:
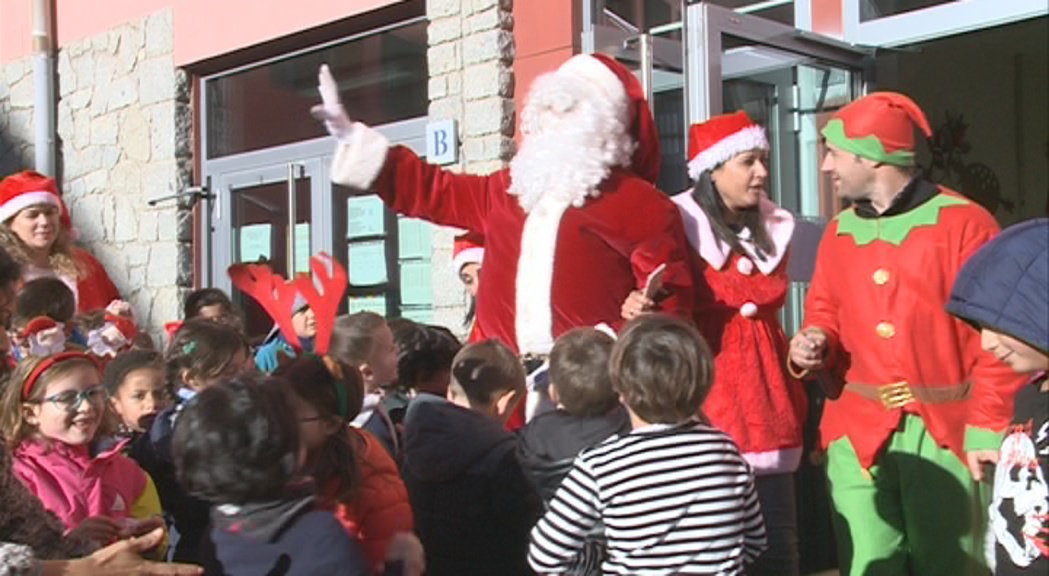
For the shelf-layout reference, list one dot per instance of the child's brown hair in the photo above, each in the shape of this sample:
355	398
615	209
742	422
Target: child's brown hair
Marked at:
485	370
336	399
204	350
662	369
579	372
49	297
13	426
353	337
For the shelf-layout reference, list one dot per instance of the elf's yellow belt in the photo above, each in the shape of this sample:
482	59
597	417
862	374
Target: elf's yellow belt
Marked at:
900	394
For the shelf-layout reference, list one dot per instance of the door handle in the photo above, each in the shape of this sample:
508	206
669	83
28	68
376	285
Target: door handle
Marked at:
294	171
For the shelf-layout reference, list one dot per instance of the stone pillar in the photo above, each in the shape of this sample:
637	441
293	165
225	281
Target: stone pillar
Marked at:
124	131
471	80
16	116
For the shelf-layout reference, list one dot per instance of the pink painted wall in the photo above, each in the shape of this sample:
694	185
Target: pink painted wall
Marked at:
202	28
545	35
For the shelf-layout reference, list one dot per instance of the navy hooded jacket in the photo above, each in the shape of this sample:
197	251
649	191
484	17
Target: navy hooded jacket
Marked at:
1004	286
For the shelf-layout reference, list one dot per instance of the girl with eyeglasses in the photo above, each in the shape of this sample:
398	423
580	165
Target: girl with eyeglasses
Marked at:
50	413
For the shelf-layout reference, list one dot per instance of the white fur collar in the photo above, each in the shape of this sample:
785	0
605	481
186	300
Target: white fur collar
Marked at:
778	222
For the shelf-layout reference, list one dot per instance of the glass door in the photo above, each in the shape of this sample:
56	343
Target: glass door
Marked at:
268	219
646	37
790	82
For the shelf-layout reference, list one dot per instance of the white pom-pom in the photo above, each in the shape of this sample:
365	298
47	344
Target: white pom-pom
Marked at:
748	310
745	266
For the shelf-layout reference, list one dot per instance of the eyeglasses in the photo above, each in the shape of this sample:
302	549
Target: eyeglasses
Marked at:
70	399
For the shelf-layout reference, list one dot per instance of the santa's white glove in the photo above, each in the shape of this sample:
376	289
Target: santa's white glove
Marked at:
330	110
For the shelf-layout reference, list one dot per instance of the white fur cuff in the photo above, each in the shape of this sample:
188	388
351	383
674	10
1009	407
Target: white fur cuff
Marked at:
359	157
749	138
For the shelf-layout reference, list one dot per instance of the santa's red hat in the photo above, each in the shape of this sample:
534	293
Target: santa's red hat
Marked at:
880	127
468	249
621	87
24	189
717	140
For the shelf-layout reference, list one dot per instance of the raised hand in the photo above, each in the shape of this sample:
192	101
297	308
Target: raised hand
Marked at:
330	110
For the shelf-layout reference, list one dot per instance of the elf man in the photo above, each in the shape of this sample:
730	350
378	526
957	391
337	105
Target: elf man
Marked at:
915	406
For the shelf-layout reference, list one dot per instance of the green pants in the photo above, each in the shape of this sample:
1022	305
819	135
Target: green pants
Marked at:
916	512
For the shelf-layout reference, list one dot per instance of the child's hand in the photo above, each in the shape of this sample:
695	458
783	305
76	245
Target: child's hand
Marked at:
101	529
119	308
139	526
406	547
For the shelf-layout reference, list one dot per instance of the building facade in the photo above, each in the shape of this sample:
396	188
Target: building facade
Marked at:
184	142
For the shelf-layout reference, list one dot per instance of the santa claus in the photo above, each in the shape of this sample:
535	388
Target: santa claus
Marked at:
571	227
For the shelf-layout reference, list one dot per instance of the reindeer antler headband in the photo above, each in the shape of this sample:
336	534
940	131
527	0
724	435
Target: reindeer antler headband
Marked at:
277	296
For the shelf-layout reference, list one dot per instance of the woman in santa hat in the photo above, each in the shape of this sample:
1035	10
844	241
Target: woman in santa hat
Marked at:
467	255
38	234
740	239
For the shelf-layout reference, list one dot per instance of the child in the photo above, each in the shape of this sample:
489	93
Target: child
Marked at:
354	474
49	416
424	364
237	446
588	409
137	390
473	504
674	496
44	298
211	304
364	341
304	322
1003	290
201	353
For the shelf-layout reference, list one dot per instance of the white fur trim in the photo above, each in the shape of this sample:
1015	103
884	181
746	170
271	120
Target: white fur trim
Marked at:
359	157
748	138
468	256
779	223
774	461
25	200
596	75
534	321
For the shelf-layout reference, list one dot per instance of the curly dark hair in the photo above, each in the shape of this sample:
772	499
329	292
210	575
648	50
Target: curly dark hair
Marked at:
237	442
423	352
203	349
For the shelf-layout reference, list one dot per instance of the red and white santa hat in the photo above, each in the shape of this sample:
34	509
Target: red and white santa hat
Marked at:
717	140
468	249
24	189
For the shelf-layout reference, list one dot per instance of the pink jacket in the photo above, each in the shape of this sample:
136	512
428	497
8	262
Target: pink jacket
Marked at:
75	486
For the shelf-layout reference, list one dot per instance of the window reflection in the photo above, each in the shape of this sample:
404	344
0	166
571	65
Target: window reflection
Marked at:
382	78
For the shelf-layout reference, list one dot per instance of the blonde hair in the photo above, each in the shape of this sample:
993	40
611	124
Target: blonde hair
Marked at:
13	426
61	259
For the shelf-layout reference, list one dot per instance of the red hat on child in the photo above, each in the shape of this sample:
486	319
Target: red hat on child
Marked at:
468	249
24	189
717	140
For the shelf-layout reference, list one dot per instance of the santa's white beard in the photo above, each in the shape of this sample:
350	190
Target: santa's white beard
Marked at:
572	142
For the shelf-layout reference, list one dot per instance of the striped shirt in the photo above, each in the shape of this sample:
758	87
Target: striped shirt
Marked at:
673	500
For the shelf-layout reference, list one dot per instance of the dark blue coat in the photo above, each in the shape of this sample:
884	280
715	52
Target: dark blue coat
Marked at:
1005	285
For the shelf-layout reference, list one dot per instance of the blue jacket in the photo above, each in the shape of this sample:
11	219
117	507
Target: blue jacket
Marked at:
1005	285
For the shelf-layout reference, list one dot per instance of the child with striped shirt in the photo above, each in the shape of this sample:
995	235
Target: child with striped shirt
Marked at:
674	496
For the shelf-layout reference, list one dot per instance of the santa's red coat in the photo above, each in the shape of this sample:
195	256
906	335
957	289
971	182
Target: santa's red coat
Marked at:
569	268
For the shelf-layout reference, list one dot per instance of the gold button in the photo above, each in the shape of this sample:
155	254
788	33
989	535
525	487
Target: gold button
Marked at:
885	329
880	276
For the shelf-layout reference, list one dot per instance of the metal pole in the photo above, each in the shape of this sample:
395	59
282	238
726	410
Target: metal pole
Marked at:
44	88
645	46
292	217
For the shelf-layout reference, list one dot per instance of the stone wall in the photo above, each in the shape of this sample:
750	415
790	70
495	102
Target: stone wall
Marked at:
124	137
16	116
471	80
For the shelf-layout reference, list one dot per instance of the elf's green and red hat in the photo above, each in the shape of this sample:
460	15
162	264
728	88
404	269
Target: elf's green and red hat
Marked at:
879	126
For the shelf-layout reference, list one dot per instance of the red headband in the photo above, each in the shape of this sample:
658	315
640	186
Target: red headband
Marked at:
46	364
